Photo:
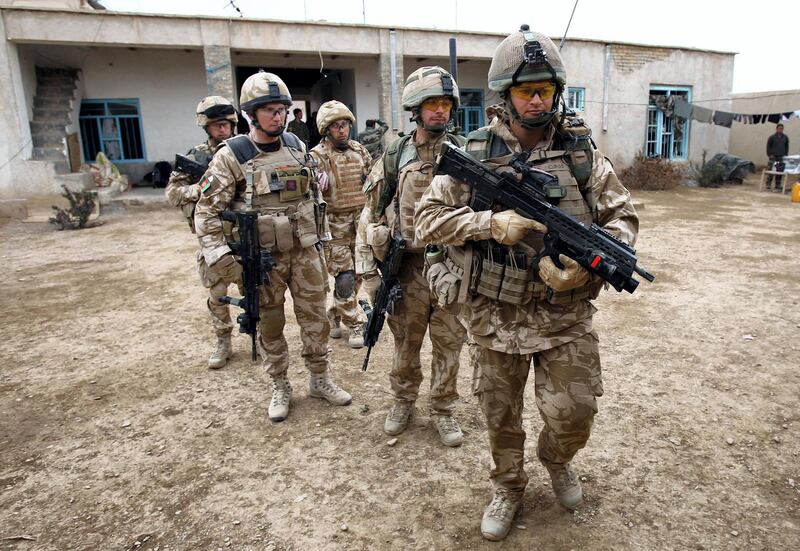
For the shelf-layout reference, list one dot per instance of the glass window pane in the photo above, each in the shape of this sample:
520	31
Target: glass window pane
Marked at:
109	128
122	108
92	109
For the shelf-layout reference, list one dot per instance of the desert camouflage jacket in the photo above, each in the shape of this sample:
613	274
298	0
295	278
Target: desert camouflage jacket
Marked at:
443	216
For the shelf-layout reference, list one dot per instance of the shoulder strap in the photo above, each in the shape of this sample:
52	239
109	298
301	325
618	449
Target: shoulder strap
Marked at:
391	161
243	148
456	140
290	140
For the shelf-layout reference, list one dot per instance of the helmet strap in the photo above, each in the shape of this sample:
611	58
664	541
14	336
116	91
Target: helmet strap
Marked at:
537	122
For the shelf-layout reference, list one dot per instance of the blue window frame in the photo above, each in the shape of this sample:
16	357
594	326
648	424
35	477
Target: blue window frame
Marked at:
470	114
576	98
666	136
113	126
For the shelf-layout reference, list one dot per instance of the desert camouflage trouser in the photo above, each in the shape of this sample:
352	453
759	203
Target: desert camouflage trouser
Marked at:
302	271
217	286
340	257
413	315
567	382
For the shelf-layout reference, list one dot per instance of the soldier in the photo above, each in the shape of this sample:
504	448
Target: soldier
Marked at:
347	164
298	127
217	116
372	137
550	322
398	179
268	170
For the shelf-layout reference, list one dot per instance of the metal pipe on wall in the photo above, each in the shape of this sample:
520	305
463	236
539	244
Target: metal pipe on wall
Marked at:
393	75
606	81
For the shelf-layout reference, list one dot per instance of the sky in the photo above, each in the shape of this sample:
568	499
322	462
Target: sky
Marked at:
762	33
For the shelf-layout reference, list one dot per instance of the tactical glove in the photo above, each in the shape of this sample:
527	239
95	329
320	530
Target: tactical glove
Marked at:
509	228
572	276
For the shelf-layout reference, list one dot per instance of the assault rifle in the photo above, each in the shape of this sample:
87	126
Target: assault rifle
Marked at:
533	196
257	263
388	294
191	167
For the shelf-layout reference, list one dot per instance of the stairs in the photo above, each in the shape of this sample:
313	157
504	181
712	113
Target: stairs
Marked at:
52	108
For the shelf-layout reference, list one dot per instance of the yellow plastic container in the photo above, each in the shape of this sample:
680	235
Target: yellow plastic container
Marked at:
796	192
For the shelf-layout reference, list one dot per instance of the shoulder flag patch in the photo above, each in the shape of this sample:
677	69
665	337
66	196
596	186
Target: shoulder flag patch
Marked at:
206	183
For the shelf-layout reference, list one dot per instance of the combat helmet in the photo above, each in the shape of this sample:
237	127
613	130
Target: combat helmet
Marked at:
260	89
215	108
330	112
428	82
526	56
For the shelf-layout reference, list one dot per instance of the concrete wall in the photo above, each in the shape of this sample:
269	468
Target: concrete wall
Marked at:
750	140
159	60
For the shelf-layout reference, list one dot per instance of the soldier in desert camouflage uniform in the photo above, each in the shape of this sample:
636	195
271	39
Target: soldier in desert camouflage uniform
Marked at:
346	163
269	171
372	137
217	116
395	184
490	258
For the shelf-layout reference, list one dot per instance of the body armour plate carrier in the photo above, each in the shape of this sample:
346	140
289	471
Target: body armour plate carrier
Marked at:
348	173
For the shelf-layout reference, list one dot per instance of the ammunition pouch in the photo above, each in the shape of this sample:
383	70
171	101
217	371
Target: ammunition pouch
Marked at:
503	274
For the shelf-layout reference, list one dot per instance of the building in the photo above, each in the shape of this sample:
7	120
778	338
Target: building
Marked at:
75	81
750	140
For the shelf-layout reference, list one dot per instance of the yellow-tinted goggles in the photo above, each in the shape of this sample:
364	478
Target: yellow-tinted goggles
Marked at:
526	90
432	104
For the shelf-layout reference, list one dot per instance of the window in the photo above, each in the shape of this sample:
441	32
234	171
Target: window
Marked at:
113	127
575	98
667	136
470	114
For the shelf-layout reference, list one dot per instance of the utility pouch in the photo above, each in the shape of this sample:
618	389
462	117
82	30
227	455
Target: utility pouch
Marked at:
492	272
295	182
266	232
284	236
378	237
515	279
306	224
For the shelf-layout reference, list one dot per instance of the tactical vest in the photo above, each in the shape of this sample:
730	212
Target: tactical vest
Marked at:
413	178
507	273
348	172
400	153
282	192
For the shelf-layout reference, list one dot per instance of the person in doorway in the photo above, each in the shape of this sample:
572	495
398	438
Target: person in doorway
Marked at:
298	127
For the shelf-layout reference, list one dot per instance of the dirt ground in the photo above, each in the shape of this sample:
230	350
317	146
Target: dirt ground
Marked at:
115	435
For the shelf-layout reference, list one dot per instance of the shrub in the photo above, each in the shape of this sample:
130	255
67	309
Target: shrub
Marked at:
651	174
81	205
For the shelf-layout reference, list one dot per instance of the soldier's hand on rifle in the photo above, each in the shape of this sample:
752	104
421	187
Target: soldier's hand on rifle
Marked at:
509	228
227	268
572	276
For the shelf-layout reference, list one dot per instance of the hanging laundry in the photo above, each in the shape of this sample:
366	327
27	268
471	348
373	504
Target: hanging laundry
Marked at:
682	108
785	117
723	118
775	118
701	114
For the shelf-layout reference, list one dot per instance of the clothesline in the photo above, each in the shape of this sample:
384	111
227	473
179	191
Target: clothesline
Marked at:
685	110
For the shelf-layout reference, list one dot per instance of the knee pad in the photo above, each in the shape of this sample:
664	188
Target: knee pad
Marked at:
272	322
345	284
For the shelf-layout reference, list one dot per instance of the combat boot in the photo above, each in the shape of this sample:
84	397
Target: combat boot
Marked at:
499	515
356	339
449	432
321	385
336	329
397	420
566	485
281	396
221	353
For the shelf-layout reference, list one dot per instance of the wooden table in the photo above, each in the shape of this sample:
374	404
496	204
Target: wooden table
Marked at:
784	179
